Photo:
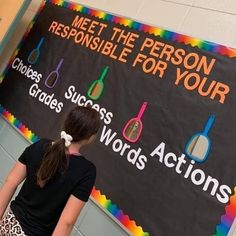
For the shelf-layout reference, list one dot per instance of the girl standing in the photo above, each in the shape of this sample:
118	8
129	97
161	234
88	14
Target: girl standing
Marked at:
58	181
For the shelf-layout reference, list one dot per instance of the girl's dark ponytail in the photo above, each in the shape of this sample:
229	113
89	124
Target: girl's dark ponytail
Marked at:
54	159
81	123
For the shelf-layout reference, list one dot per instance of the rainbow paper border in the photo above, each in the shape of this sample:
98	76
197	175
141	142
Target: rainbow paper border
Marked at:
117	213
28	134
227	219
165	34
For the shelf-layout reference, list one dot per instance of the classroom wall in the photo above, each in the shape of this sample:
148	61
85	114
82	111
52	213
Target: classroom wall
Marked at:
212	20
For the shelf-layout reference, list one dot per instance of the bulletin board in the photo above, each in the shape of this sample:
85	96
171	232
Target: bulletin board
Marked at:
165	153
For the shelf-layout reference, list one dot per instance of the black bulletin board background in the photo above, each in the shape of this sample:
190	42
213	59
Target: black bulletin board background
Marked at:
163	202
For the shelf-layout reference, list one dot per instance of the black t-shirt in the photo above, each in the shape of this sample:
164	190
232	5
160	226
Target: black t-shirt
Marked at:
38	209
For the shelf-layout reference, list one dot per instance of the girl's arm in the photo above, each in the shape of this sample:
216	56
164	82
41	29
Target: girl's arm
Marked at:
68	217
14	178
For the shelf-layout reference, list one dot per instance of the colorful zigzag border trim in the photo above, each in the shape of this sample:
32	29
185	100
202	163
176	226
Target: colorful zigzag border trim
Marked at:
16	123
118	214
165	34
228	218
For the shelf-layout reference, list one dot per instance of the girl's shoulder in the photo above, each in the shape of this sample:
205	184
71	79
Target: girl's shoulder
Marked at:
82	163
40	144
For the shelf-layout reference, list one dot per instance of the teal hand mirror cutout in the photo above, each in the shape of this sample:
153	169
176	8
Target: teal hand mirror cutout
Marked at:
34	55
199	145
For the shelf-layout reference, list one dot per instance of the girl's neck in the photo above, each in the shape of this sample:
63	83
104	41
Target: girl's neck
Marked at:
74	149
